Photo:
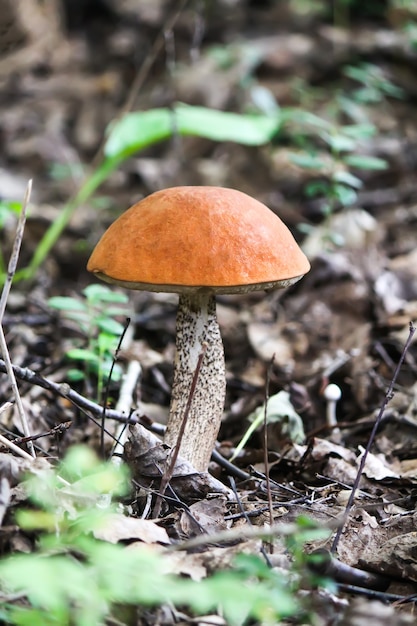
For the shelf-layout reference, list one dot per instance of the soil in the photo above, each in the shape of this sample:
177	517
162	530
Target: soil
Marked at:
66	73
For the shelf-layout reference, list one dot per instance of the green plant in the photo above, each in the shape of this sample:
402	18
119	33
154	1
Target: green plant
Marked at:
94	315
410	29
335	151
374	84
73	577
331	151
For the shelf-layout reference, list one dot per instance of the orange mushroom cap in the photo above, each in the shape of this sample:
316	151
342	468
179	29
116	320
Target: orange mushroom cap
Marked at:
184	239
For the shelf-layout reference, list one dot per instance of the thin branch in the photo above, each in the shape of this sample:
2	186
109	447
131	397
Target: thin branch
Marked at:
107	390
15	448
167	475
63	390
267	476
238	533
3	300
130	382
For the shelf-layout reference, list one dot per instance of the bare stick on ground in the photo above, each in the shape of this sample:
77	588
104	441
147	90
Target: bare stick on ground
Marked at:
3	300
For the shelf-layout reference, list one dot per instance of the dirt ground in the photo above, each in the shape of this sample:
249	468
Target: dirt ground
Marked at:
69	69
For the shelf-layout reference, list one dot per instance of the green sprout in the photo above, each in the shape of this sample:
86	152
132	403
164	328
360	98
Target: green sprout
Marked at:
94	314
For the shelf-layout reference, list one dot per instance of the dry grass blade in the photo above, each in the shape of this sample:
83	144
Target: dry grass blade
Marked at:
3	300
128	387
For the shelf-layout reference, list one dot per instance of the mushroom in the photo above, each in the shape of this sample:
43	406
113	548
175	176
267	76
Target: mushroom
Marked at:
332	394
198	242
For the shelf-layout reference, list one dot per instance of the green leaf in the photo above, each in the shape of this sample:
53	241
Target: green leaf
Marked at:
365	162
110	326
64	303
117	310
7	208
11	206
252	130
81	354
304	118
317	188
75	375
80	461
106	343
345	195
24	616
360	131
340	143
308	161
136	131
369	95
100	293
116	371
36	520
360	74
347	178
41	578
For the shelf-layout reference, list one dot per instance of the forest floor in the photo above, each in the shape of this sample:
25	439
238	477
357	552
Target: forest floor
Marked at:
344	182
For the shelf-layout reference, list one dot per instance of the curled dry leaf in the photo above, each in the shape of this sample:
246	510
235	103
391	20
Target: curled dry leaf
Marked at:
147	457
282	419
208	515
118	527
377	467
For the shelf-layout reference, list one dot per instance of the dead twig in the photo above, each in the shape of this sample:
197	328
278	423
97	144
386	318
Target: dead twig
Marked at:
127	389
3	300
267	476
167	475
56	430
107	391
15	448
238	534
63	390
327	565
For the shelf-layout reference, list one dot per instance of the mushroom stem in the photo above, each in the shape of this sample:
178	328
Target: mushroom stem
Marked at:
332	394
197	331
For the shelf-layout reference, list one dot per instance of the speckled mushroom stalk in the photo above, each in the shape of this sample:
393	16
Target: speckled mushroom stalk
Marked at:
197	334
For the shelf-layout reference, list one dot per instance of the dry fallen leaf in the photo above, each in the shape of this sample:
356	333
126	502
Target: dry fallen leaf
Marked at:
377	467
208	515
118	527
372	613
396	557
